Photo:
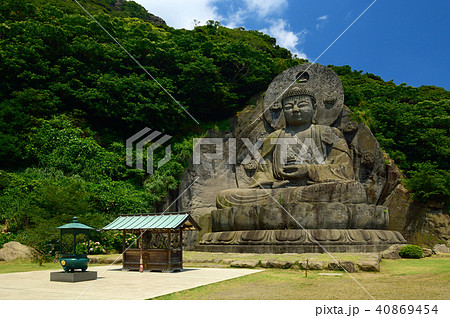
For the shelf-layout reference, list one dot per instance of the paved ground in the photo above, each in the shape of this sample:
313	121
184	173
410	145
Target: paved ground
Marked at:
113	283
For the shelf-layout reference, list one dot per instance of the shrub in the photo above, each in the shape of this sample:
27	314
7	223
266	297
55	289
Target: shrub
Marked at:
427	182
94	248
411	251
114	241
5	238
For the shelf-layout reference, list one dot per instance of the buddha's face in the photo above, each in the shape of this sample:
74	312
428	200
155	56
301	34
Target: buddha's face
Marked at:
298	110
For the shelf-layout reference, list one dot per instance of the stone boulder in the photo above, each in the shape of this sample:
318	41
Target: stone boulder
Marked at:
349	266
392	251
441	248
313	265
276	264
227	261
375	256
244	264
427	252
368	265
14	250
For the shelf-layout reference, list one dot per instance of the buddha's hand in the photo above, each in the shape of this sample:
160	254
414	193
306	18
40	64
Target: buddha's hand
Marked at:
299	171
264	183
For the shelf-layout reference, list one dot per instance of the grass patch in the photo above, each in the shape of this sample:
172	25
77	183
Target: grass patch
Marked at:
426	278
21	265
25	266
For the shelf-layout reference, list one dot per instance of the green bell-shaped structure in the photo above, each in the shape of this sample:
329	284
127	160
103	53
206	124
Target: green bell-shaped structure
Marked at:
72	261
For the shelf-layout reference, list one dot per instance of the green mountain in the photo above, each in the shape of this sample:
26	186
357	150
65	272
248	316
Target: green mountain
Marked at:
70	96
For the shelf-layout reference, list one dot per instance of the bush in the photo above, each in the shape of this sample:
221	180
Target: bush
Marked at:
114	241
94	248
5	238
411	251
427	182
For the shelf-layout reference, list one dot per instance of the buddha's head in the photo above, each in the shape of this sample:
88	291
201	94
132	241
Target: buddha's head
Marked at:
298	106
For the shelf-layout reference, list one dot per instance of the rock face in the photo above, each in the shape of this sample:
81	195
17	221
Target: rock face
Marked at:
424	224
200	185
277	264
149	17
372	265
335	184
155	19
441	248
392	252
15	250
244	264
427	252
314	265
349	266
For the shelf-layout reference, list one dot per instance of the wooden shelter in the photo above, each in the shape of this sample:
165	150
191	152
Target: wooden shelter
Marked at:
160	244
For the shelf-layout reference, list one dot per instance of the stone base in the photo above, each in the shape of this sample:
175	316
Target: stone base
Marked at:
289	215
300	241
72	277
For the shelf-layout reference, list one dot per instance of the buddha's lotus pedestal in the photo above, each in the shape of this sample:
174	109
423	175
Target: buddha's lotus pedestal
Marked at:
300	241
299	220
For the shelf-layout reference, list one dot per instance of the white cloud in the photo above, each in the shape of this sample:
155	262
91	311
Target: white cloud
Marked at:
236	19
264	8
321	22
279	29
182	13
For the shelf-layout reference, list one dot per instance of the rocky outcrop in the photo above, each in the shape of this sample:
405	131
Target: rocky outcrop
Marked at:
313	265
368	159
119	4
427	252
371	265
423	224
339	265
200	184
392	251
14	250
441	249
244	264
277	264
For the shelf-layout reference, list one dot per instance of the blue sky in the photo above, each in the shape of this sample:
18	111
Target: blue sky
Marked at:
402	40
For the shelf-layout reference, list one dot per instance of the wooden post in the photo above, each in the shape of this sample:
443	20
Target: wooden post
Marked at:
124	240
141	261
181	249
124	254
169	246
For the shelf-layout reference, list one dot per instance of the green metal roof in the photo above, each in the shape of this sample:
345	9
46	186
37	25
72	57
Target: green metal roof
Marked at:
153	221
75	225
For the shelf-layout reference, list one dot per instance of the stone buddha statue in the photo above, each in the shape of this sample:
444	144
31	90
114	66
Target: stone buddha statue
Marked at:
303	153
304	179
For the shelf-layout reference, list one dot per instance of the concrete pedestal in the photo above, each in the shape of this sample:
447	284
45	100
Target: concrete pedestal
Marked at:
72	277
